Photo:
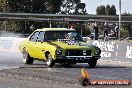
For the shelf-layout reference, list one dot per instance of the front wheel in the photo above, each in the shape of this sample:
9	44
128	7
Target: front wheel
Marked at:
26	57
92	63
50	62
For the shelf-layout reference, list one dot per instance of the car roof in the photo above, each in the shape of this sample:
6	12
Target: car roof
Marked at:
55	29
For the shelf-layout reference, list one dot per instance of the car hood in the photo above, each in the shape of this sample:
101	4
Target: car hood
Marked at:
76	45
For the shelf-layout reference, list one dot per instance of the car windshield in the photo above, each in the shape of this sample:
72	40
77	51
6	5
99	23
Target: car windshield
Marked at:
55	35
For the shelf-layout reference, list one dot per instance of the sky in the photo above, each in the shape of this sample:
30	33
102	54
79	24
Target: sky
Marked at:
91	5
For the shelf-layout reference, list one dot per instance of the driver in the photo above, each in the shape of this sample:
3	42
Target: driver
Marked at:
72	37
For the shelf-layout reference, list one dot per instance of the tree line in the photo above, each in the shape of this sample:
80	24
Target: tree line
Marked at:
37	6
106	10
47	7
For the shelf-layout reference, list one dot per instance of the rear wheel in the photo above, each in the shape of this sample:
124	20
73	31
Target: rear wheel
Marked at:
50	62
92	63
26	57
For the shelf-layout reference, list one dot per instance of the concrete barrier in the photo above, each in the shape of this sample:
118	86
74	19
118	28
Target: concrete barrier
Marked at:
115	50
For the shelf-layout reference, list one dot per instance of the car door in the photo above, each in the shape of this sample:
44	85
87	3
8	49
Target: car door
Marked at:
40	45
32	44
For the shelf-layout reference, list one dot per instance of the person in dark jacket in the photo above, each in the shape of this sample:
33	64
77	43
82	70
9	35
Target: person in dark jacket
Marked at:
116	30
96	31
106	31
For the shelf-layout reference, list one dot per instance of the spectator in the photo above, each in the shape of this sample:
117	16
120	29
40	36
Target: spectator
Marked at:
72	27
106	29
96	32
92	34
116	30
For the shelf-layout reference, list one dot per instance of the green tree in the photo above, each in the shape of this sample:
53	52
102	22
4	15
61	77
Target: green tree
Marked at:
100	10
80	8
4	6
106	10
28	6
73	7
126	14
113	10
124	31
10	25
35	6
127	27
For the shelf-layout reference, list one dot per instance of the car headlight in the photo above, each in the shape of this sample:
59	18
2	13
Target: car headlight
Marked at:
97	51
58	52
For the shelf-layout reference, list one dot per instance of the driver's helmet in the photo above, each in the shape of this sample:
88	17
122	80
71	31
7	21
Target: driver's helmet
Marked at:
72	35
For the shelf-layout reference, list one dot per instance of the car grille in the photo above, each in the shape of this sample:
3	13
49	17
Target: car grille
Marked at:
78	52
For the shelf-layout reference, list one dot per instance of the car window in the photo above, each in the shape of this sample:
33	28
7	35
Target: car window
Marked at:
41	36
54	35
34	36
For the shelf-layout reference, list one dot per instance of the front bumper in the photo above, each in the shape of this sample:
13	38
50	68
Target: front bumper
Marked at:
77	59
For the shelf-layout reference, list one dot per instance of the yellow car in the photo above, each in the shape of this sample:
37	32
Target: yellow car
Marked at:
58	45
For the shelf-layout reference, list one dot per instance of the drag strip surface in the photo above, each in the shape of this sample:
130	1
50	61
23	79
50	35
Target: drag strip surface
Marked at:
39	76
15	74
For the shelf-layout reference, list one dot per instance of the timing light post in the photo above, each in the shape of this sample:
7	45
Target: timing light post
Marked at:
119	34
